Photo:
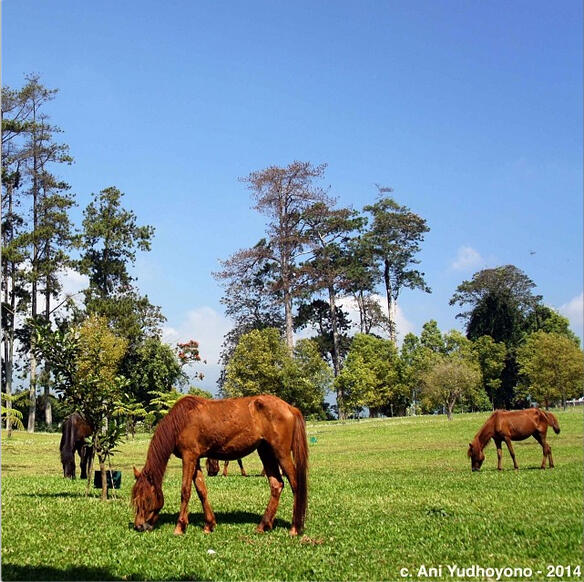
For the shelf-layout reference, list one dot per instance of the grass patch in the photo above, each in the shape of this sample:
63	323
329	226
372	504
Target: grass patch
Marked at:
383	495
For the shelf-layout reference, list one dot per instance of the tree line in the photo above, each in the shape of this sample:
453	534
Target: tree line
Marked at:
103	350
108	338
99	353
315	255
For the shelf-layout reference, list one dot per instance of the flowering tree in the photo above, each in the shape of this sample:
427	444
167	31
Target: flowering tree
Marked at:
188	353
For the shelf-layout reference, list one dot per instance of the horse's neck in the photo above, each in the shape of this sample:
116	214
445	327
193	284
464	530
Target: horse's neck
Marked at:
485	434
159	451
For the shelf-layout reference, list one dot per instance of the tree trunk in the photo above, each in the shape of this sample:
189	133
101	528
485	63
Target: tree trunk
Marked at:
387	281
340	405
34	273
289	320
362	316
47	371
9	359
48	407
103	479
335	330
90	469
9	278
335	354
32	394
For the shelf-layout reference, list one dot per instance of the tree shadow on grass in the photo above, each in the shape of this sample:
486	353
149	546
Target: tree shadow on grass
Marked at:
19	572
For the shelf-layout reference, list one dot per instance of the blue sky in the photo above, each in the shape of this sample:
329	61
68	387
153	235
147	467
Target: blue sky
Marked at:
471	111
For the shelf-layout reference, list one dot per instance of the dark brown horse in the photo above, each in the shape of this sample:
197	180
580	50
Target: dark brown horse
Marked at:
74	431
224	429
513	425
213	467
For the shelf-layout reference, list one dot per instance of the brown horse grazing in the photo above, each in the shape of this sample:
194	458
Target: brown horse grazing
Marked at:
514	425
212	466
74	431
224	429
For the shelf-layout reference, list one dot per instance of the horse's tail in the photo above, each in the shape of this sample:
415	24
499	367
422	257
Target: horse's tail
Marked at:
300	453
552	421
67	445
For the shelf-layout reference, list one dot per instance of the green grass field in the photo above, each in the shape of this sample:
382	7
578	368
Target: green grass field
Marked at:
384	496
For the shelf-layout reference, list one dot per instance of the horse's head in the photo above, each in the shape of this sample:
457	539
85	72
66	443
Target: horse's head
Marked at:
476	455
212	467
68	467
147	500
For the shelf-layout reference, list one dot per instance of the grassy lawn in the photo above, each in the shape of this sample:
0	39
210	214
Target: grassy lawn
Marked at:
384	495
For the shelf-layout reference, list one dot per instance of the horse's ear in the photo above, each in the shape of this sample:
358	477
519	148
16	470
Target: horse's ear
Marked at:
136	473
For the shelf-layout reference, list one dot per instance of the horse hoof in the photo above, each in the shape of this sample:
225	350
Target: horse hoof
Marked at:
293	531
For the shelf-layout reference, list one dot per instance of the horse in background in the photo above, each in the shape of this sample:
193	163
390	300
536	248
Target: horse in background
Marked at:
74	431
513	425
224	429
212	466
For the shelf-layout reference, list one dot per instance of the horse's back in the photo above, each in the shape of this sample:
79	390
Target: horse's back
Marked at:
247	409
230	428
519	424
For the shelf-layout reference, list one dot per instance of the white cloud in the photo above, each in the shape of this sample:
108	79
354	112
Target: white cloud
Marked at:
574	311
467	258
73	282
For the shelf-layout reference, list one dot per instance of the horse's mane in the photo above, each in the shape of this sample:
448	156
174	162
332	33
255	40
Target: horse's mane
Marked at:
163	442
483	436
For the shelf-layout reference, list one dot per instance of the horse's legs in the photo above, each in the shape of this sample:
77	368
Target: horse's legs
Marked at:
72	467
243	473
188	469
201	488
68	460
225	465
549	454
538	437
547	450
276	485
511	452
84	453
498	444
289	470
